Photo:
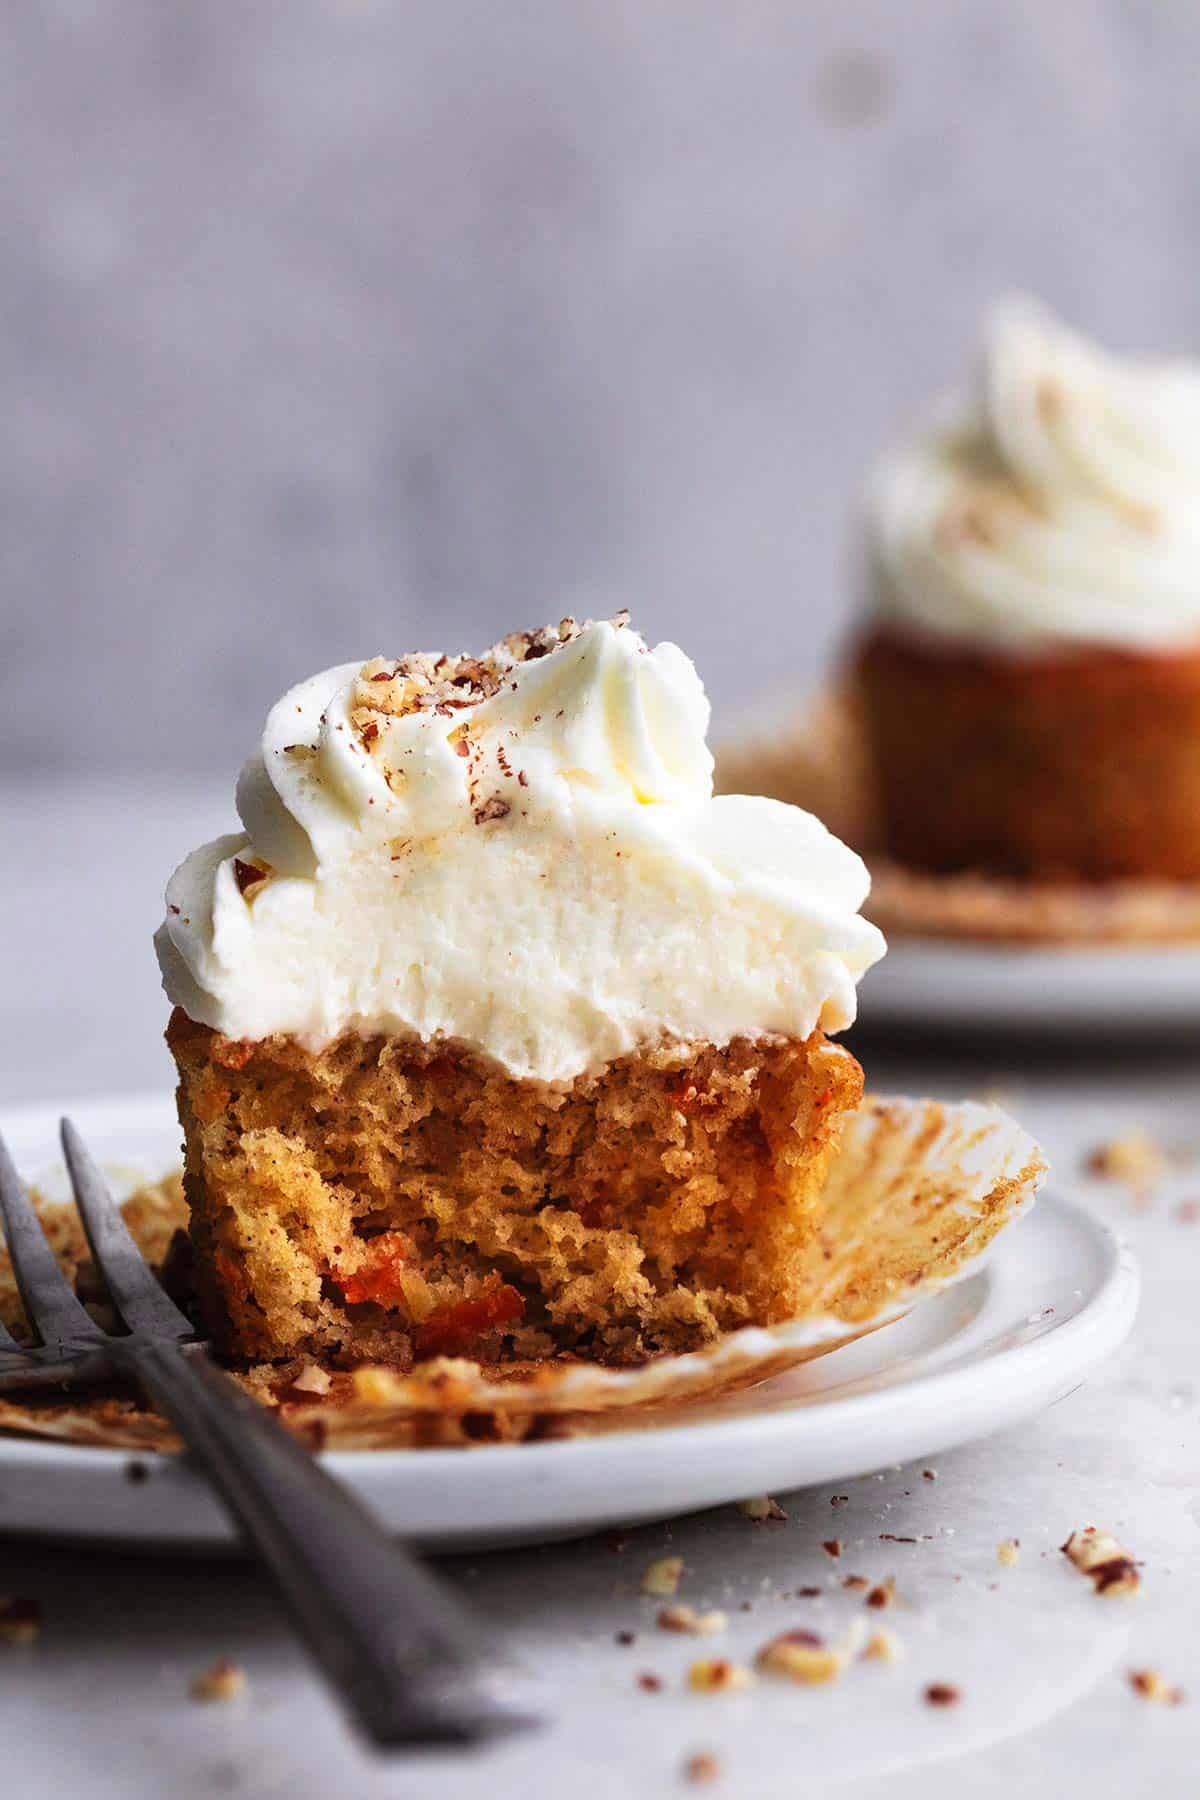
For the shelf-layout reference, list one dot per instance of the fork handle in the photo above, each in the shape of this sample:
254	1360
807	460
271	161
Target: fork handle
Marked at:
407	1661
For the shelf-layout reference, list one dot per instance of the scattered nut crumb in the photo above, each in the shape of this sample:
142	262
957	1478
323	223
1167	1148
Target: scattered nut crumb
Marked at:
839	1500
649	1684
686	1618
312	1380
20	1621
1008	1552
1151	1685
942	1693
1109	1567
761	1507
833	1547
883	1594
882	1646
929	1474
716	1674
662	1577
704	1766
856	1583
1134	1160
804	1657
627	1637
224	1681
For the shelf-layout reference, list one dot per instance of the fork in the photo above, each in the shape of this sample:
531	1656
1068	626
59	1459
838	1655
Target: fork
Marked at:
409	1663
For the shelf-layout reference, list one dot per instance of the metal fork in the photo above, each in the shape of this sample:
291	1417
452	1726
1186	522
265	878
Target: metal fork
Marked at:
408	1662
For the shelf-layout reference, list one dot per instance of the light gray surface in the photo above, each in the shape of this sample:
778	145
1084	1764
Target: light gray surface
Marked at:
338	325
100	1705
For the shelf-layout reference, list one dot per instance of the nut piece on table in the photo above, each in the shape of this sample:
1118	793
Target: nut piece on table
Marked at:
20	1621
1152	1685
686	1618
1135	1160
662	1578
883	1646
883	1594
1109	1567
224	1681
761	1507
805	1657
717	1675
703	1766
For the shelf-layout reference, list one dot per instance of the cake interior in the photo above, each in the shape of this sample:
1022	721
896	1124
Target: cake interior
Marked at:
394	1200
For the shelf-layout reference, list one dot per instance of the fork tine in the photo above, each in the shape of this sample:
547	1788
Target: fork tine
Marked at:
136	1291
55	1313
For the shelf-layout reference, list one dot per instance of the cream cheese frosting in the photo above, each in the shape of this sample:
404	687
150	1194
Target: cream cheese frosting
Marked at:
521	853
1058	507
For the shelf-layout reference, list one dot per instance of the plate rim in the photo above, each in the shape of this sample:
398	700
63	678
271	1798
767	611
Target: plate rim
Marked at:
1110	1312
566	1487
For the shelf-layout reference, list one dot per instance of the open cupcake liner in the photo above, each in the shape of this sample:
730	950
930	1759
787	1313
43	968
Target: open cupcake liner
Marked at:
819	762
914	1197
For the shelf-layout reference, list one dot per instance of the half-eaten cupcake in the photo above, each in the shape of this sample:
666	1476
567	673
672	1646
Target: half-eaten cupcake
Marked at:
497	1033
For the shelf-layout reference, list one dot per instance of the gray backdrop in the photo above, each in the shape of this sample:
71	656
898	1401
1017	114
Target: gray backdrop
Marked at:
337	326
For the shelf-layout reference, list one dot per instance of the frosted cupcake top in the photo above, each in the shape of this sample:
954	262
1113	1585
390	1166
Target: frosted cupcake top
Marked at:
519	852
1058	506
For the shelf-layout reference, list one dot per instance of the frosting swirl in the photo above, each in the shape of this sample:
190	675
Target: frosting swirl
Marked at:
519	852
1059	507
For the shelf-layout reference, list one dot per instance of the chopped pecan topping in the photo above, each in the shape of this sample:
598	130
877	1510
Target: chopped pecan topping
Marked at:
249	875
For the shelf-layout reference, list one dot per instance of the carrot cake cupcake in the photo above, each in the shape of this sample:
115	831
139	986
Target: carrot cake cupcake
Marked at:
1031	675
496	1032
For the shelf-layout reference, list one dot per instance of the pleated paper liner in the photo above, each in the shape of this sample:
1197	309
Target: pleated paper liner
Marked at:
817	760
915	1196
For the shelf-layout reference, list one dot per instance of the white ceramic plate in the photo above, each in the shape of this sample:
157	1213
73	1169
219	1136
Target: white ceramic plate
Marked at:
930	981
1057	1295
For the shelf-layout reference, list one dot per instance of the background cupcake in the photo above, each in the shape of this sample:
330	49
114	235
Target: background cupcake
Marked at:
1030	677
